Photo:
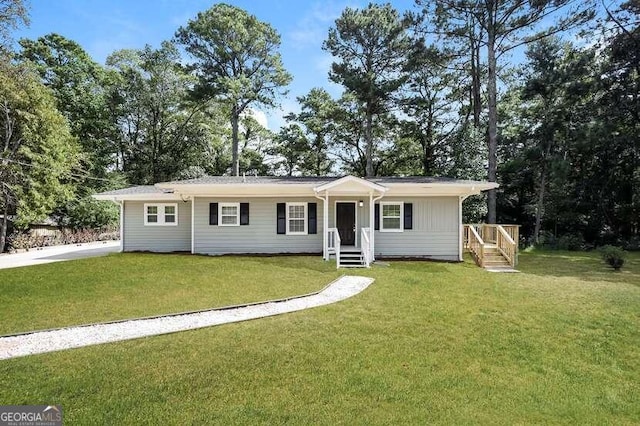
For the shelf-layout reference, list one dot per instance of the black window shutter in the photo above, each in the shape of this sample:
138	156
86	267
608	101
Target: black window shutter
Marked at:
376	217
282	218
312	211
408	216
213	213
244	213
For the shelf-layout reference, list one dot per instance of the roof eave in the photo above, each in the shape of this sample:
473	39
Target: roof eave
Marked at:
137	197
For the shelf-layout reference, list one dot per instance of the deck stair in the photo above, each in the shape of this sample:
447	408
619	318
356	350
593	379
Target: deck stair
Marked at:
493	258
351	258
493	247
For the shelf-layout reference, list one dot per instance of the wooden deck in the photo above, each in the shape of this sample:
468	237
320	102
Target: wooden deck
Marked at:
492	246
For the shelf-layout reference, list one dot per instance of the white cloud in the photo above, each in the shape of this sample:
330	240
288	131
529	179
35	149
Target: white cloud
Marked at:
259	116
275	117
312	28
114	30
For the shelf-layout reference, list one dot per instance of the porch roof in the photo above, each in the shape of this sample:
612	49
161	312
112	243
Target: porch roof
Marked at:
350	184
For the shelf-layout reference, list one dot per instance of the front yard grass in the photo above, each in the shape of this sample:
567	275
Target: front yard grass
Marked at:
426	343
122	286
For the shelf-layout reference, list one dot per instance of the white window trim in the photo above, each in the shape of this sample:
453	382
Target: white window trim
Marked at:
237	206
161	214
305	219
392	203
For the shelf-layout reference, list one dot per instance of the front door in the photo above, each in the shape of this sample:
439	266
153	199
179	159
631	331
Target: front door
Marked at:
346	223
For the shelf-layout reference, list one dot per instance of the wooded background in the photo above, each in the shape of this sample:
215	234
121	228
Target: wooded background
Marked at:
428	92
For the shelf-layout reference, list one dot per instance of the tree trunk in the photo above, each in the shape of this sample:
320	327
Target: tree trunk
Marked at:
235	158
475	83
540	205
368	135
3	227
492	139
427	160
318	158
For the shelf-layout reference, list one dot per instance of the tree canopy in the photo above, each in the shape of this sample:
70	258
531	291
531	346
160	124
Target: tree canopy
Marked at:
237	62
38	152
431	91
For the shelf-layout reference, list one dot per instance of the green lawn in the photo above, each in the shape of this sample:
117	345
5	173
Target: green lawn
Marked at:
142	284
426	343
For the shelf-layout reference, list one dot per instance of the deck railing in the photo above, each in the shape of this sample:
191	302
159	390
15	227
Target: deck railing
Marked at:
503	237
506	245
489	232
474	244
333	242
366	246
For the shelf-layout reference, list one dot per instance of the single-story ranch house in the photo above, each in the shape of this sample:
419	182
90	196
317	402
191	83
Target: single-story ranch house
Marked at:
353	219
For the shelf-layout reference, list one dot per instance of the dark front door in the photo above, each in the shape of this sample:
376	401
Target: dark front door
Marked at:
346	223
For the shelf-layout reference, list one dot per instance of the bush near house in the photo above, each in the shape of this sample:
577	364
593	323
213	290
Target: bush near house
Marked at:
614	256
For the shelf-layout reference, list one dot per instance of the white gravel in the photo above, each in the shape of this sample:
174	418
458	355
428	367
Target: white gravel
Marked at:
75	337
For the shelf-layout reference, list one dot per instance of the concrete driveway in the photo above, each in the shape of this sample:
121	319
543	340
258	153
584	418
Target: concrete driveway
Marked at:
58	254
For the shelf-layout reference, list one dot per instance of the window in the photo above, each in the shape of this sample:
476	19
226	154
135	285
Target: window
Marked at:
229	214
296	218
152	214
391	217
161	214
169	214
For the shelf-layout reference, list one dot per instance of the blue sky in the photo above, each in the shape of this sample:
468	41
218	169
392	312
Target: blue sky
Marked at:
103	26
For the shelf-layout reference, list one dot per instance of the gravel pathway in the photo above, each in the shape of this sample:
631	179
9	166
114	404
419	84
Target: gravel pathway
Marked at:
75	337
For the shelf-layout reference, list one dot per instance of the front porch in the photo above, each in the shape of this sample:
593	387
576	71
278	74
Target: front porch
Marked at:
349	215
350	256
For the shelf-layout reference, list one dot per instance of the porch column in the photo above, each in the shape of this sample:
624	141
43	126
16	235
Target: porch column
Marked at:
121	225
372	227
193	223
460	229
325	226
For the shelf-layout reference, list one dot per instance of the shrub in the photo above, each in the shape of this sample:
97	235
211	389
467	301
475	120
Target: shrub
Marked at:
614	256
571	242
632	244
545	239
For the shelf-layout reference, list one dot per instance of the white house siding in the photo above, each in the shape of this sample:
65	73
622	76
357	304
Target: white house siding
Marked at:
138	237
260	236
435	232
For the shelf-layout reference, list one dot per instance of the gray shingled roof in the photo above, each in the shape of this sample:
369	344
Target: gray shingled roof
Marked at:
142	189
301	180
418	179
318	180
217	180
